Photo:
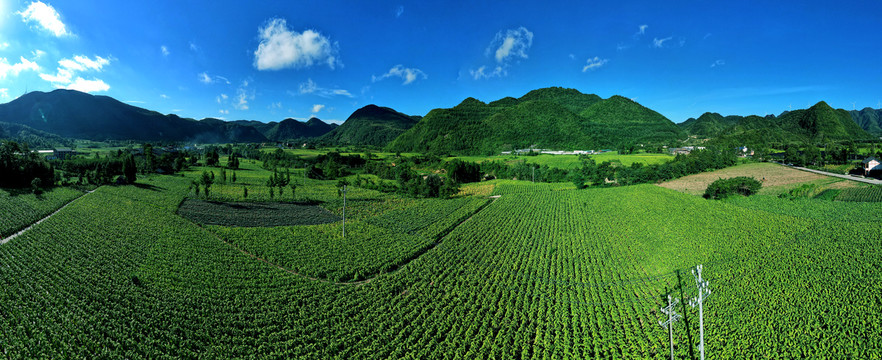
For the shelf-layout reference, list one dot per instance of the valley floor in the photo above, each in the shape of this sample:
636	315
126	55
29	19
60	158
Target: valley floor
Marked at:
544	271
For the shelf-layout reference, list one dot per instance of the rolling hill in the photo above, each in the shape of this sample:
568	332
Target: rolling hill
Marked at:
868	119
371	125
817	124
74	114
546	118
289	129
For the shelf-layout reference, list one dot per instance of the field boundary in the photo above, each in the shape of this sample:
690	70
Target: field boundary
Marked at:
398	267
26	228
841	176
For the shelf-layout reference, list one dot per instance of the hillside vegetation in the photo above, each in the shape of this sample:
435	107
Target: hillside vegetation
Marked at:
371	125
546	118
817	124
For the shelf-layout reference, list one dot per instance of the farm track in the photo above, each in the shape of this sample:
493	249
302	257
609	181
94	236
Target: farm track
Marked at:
22	231
360	282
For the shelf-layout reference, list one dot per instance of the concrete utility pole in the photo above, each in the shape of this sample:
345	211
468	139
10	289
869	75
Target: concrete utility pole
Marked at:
703	292
672	318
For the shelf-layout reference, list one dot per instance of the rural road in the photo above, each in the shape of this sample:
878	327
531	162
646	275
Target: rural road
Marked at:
847	177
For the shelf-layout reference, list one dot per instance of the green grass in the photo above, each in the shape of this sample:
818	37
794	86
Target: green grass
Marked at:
20	208
549	273
572	161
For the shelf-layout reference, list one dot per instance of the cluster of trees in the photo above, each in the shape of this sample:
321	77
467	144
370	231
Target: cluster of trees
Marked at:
741	185
22	168
280	180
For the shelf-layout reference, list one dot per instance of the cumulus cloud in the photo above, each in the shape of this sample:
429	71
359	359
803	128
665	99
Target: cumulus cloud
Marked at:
282	48
409	75
46	17
14	69
310	87
657	43
88	86
4	93
164	50
512	43
4	45
221	98
317	107
66	74
594	63
225	112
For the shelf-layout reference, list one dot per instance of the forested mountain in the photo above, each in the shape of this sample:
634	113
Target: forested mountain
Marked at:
293	129
546	118
371	125
74	114
869	119
817	124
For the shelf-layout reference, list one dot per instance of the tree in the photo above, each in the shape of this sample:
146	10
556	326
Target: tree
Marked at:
293	189
149	158
206	182
36	183
578	180
741	185
244	192
129	169
234	176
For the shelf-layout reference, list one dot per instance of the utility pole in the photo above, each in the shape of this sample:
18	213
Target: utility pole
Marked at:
703	292
344	211
672	318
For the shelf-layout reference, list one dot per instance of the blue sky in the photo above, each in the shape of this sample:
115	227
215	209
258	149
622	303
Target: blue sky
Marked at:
270	60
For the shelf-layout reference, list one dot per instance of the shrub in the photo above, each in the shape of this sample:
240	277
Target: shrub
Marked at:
741	185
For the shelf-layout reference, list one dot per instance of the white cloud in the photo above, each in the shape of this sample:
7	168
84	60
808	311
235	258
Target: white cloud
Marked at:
481	73
594	63
135	102
87	86
657	43
718	63
4	45
275	105
317	107
4	93
225	112
506	47
513	43
15	69
310	87
282	48
38	53
68	68
164	96
46	17
399	11
164	50
243	95
642	29
208	79
409	75
193	47
221	98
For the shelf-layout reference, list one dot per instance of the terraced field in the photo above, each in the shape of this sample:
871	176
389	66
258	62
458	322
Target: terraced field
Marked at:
550	273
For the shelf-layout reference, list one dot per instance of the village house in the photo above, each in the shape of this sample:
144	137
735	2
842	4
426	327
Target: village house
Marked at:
870	165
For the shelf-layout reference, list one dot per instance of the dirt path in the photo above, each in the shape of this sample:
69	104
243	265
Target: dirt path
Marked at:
360	282
842	176
13	236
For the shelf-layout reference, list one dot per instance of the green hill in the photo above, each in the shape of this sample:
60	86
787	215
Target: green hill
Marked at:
292	129
554	118
817	124
868	119
371	125
74	114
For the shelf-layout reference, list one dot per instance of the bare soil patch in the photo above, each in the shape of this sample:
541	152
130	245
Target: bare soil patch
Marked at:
771	175
246	214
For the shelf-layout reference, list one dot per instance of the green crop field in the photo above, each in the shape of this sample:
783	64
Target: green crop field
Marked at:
536	271
21	209
572	161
